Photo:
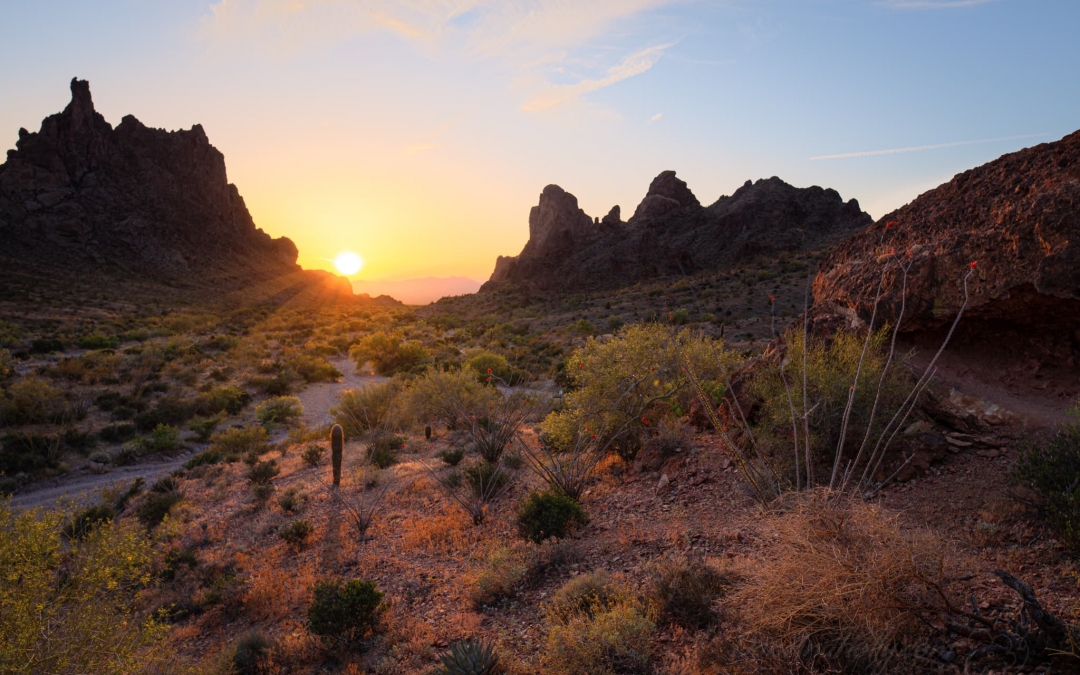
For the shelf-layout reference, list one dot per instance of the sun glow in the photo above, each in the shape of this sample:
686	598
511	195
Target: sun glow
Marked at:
348	263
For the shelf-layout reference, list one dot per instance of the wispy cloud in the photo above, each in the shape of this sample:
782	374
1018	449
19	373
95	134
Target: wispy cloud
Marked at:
933	4
634	64
656	118
920	148
536	39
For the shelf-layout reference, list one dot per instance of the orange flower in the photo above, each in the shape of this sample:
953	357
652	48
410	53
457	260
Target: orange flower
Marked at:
772	299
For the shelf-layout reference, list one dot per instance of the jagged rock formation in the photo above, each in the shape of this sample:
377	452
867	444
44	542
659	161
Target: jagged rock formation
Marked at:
670	233
82	199
1018	219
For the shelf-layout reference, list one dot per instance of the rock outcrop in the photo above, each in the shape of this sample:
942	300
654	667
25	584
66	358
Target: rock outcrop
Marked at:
670	233
81	200
1017	220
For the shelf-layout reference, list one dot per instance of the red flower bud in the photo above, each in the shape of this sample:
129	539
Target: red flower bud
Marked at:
580	366
594	436
645	421
489	371
772	298
891	224
974	263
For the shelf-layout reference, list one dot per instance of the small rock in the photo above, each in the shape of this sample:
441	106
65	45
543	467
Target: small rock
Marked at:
664	485
989	454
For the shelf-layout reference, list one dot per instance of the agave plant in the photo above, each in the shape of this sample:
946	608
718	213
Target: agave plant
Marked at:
470	657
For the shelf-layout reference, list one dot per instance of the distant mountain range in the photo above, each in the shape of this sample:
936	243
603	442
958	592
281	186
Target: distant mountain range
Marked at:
418	291
671	233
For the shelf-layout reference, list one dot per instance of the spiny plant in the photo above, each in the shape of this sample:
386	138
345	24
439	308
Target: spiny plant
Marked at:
337	444
470	657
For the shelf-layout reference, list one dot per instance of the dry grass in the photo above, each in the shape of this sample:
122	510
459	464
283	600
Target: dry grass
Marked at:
445	534
841	589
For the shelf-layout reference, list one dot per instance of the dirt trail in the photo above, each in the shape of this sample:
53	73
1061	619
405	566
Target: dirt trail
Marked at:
82	486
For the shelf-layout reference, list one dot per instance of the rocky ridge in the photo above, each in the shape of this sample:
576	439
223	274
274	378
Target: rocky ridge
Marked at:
670	233
1012	229
82	200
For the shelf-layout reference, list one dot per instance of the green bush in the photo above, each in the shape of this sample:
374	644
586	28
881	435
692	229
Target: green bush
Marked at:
314	369
232	444
389	353
228	398
251	653
27	453
98	341
279	410
370	407
452	456
489	366
204	426
31	400
342	613
170	410
502	570
262	492
156	505
548	514
382	449
86	520
70	606
1051	470
163	438
599	635
118	433
262	473
292	500
296	533
485	479
312	454
448	397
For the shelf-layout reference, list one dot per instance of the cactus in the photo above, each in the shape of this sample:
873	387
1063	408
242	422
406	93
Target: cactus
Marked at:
427	432
337	444
470	657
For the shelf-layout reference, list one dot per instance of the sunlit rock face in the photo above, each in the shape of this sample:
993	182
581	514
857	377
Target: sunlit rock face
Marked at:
79	195
670	233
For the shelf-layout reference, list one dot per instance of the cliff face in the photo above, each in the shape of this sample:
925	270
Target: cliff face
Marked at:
79	196
670	233
1014	226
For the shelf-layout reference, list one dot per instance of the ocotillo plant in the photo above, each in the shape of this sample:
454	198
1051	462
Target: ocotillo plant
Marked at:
337	444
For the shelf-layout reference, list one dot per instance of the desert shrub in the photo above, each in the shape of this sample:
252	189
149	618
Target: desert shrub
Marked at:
389	353
586	593
470	657
344	612
449	397
98	341
86	520
488	366
46	345
382	449
619	388
164	438
129	453
31	400
117	433
263	472
7	368
841	588
679	317
296	533
830	372
685	592
485	478
88	623
1051	471
27	453
452	456
231	444
602	634
371	407
226	398
279	410
262	492
547	514
251	654
500	573
79	441
204	426
312	454
171	410
157	504
292	500
314	369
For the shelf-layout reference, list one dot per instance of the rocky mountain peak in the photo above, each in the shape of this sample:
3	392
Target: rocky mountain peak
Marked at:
556	221
666	194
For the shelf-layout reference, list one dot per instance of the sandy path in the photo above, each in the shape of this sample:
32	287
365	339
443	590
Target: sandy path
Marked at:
82	486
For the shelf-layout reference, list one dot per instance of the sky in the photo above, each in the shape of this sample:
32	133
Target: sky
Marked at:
418	133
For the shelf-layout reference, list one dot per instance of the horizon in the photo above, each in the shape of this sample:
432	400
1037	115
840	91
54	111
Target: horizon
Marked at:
478	106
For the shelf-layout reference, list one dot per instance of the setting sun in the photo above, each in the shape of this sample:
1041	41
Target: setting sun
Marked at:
348	263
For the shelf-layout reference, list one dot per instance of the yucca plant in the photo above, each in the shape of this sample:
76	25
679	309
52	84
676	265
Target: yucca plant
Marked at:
470	657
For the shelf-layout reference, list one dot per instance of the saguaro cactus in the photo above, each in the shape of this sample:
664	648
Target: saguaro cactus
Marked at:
337	444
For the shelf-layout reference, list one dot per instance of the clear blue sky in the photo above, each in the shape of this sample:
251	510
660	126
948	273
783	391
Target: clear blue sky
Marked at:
419	132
